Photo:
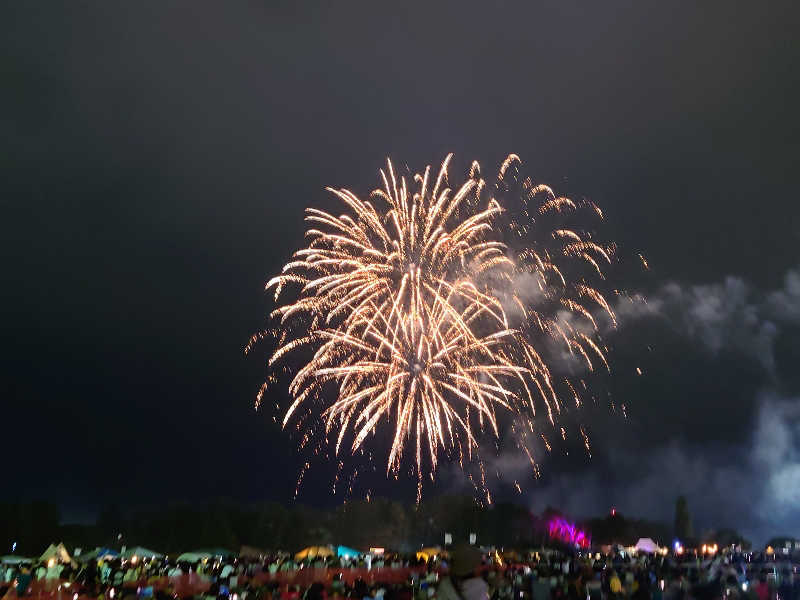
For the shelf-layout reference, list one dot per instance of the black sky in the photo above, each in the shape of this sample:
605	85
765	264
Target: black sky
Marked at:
155	160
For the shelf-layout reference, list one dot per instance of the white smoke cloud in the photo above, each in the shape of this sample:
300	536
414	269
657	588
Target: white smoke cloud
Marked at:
776	455
754	485
726	316
784	304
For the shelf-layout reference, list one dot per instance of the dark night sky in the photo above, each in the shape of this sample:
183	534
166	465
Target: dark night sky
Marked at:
156	159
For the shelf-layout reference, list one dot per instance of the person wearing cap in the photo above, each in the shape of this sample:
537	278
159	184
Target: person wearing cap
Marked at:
463	583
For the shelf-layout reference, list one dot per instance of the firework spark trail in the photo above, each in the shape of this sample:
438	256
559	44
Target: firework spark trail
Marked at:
300	479
402	304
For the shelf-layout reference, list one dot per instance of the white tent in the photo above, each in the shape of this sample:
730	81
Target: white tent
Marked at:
646	545
13	559
193	557
140	553
56	552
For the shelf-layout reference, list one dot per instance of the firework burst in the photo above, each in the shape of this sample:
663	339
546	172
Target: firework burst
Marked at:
406	313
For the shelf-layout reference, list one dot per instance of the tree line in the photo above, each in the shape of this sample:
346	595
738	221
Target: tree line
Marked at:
360	524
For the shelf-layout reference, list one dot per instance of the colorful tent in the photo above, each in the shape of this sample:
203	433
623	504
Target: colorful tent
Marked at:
314	552
96	554
428	553
347	552
55	552
646	545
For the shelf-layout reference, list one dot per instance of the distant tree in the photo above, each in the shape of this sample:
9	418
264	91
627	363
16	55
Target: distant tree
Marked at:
727	537
110	523
270	527
78	536
551	512
783	541
35	526
683	521
299	529
216	529
377	522
514	525
31	525
178	527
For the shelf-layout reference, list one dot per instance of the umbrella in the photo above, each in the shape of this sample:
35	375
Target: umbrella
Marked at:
314	552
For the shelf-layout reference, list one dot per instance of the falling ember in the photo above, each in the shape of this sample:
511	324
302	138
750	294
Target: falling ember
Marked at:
586	443
406	316
260	394
300	479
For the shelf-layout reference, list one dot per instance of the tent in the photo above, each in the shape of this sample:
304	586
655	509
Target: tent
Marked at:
428	553
251	552
216	552
57	553
13	559
85	557
193	557
347	552
140	552
97	554
314	552
646	545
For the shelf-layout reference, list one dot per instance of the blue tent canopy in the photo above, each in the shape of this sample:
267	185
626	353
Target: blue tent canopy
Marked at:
96	554
346	552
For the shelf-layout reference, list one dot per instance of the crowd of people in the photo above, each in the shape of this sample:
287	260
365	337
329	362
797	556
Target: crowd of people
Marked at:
464	573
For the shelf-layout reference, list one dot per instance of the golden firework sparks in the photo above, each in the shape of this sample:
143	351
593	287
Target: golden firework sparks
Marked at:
399	309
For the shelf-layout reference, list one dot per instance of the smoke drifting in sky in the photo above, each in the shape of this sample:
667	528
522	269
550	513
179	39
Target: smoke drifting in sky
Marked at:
751	483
